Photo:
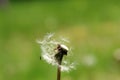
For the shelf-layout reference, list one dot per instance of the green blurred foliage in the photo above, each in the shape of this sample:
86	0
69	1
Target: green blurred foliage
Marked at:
92	26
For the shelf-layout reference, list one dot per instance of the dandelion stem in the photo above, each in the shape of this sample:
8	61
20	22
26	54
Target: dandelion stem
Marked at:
59	57
58	72
59	69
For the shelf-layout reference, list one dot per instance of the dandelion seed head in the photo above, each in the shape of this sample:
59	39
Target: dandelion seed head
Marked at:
48	46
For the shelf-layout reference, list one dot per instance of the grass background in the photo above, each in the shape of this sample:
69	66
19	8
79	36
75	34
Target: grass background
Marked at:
93	27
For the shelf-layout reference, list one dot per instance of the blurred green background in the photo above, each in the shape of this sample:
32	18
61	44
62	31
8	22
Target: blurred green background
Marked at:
92	26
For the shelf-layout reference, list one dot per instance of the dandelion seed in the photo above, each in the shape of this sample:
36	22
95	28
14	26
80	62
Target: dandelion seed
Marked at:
64	39
67	68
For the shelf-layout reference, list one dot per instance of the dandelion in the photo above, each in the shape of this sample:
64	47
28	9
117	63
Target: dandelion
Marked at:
53	49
